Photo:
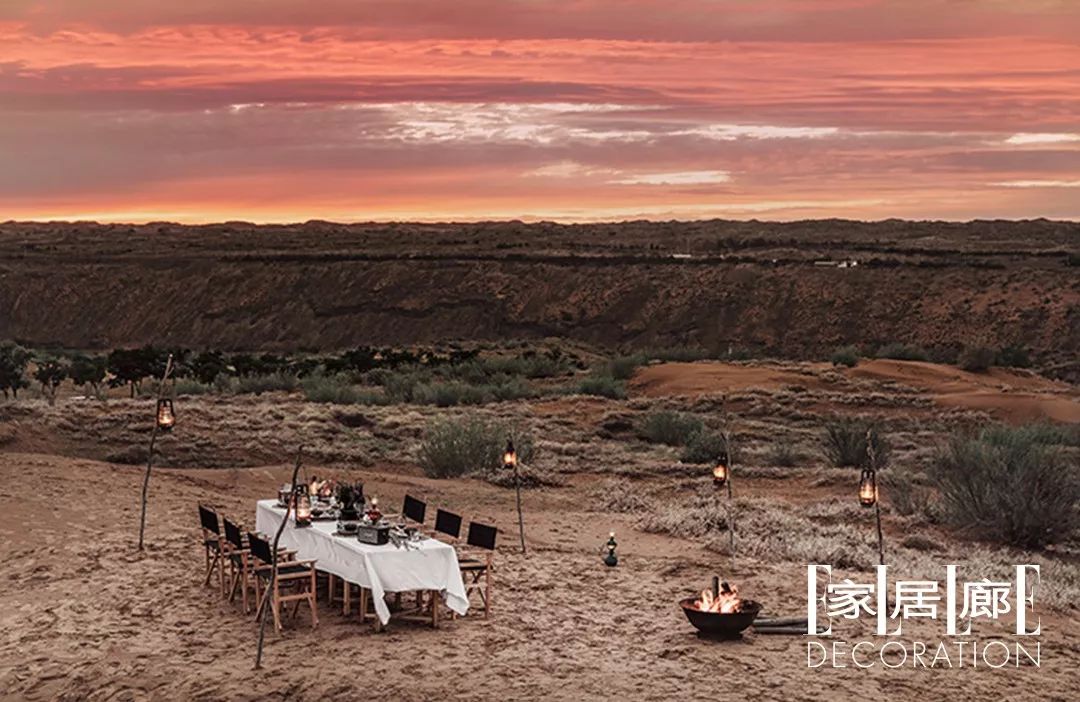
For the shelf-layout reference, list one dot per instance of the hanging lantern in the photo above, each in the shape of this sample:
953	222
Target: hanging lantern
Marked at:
611	560
303	506
720	474
166	415
868	491
509	455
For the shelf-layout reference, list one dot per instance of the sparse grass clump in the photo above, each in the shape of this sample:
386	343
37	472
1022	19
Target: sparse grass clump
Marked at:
783	454
280	381
705	447
190	386
845	442
618	496
454	447
671	428
1010	485
339	390
845	356
906	496
903	352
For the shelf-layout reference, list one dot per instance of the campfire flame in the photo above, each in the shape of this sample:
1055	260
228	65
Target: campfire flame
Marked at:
726	601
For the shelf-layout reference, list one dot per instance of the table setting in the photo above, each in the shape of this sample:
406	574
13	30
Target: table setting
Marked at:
351	538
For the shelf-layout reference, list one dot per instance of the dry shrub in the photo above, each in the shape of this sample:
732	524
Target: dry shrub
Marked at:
453	447
845	442
1010	485
671	428
705	447
977	359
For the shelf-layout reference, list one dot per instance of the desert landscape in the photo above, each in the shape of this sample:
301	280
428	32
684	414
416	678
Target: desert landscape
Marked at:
614	436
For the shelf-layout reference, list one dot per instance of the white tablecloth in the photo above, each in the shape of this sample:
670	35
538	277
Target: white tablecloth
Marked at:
429	565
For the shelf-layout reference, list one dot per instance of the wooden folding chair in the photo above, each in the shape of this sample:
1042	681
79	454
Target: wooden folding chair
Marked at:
448	524
297	575
241	566
414	510
476	566
212	543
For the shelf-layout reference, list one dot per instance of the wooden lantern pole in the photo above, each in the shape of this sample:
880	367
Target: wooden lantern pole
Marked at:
263	611
517	489
871	459
150	453
730	510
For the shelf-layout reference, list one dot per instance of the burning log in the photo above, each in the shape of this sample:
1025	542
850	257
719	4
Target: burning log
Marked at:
719	610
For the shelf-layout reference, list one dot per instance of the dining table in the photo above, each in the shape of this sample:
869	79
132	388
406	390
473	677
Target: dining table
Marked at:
426	564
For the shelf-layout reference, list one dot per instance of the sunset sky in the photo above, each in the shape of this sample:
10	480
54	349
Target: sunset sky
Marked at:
288	110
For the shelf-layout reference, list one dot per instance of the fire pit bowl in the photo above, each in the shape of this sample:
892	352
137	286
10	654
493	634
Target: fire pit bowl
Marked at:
718	624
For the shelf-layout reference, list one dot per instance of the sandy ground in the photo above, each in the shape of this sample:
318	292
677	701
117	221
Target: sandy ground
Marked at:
85	616
1011	395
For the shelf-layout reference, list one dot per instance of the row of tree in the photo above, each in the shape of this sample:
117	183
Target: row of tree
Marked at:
131	367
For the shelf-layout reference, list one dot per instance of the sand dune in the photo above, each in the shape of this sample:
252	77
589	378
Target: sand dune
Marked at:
1011	395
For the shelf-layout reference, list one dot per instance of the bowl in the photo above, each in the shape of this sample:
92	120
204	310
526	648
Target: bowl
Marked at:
719	624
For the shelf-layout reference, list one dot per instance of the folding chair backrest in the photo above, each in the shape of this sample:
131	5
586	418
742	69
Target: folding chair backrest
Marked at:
448	523
481	536
414	509
209	520
260	548
233	536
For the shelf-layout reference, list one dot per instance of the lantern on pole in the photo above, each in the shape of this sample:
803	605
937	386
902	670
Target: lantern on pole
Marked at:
510	462
166	414
720	474
303	506
868	490
611	560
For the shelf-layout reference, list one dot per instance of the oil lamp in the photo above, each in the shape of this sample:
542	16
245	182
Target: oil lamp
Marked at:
166	416
720	474
509	455
611	560
303	506
868	491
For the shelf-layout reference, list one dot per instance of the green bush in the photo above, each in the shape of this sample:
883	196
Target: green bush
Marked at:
454	447
977	359
845	443
1009	485
902	352
671	428
602	386
845	356
705	447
